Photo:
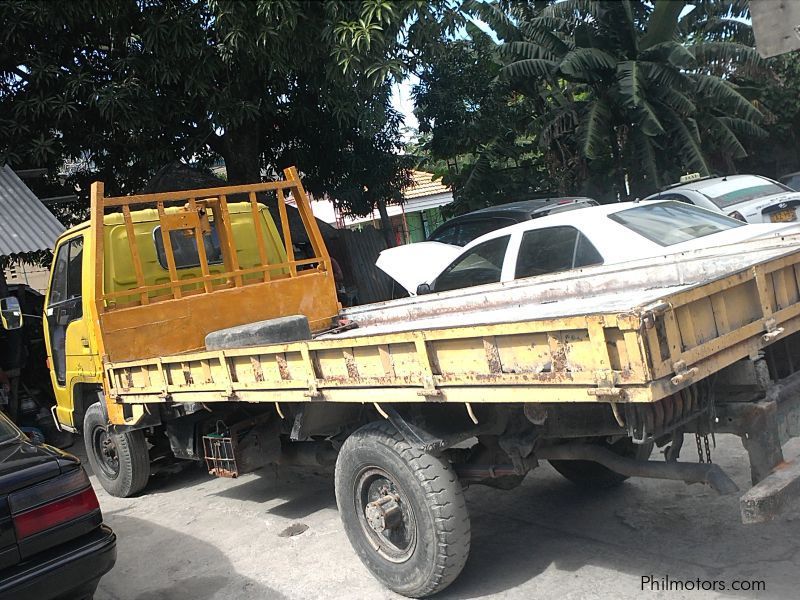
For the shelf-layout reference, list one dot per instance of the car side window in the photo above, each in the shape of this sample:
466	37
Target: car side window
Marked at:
553	249
585	253
482	264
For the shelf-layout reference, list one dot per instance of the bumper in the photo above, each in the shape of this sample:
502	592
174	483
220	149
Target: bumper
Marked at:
69	571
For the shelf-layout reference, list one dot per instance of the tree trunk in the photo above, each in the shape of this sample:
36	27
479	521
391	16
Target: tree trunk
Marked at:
619	168
241	151
386	223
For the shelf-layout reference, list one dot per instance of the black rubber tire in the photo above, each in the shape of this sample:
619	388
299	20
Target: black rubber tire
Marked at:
437	500
588	474
132	452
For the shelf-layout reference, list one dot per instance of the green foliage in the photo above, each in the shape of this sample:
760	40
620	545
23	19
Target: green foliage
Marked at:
590	96
653	97
473	127
125	87
778	153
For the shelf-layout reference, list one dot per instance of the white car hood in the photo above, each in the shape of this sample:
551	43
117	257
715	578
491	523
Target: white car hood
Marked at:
413	264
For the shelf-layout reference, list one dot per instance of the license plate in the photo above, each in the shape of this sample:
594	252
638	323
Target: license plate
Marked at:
782	216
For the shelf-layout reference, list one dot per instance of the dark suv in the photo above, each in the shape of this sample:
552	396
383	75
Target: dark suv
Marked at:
461	230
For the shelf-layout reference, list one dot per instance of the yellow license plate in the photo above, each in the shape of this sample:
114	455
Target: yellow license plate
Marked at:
782	216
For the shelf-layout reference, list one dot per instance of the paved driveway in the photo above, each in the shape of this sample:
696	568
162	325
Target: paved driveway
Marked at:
192	537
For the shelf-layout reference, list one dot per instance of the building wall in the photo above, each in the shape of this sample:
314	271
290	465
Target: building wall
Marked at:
36	277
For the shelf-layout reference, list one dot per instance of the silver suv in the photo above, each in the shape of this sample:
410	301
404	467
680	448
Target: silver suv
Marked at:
749	198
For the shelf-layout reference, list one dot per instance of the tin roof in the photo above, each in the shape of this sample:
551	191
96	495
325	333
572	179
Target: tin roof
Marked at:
424	185
25	223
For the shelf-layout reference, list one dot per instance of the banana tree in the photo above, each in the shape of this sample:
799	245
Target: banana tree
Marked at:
633	85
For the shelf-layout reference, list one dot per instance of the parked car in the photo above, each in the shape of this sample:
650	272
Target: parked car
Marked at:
461	230
791	180
53	544
749	198
596	235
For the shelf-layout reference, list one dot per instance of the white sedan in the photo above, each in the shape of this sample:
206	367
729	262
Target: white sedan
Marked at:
750	198
607	234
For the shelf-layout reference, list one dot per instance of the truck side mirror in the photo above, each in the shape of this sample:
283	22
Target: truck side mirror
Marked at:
424	288
10	313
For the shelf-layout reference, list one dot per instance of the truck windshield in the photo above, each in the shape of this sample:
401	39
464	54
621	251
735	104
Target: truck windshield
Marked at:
668	223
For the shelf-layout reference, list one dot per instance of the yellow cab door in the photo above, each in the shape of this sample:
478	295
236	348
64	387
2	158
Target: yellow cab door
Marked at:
70	352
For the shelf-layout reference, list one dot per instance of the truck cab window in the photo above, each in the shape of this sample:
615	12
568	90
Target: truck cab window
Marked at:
75	270
483	264
184	248
58	285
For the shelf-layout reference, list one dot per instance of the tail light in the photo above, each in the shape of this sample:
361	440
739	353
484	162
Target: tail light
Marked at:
737	215
52	503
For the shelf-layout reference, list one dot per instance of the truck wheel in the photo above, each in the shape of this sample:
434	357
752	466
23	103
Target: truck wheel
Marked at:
588	474
119	460
403	511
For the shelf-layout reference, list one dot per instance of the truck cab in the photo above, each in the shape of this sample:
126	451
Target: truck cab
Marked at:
75	366
135	252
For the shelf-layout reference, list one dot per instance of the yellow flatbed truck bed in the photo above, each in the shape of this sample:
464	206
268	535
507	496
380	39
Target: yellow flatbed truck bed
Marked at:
410	399
649	333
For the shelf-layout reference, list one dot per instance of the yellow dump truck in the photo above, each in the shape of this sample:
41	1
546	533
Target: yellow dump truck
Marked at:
188	325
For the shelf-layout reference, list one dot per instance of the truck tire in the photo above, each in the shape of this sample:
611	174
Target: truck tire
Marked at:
120	461
426	540
588	474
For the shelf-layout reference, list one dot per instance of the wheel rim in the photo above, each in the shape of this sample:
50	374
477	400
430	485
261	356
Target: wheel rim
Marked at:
105	450
379	499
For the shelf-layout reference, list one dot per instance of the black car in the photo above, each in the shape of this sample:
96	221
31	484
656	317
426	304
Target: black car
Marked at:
53	544
461	230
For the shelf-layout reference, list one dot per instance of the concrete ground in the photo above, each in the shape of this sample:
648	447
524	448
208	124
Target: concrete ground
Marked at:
192	537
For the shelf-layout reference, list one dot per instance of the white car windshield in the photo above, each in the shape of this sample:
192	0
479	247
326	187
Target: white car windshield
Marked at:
726	194
668	223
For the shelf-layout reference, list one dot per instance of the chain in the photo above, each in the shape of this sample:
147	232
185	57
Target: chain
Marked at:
703	441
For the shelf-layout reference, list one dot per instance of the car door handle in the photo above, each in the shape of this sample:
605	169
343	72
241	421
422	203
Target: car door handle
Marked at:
85	342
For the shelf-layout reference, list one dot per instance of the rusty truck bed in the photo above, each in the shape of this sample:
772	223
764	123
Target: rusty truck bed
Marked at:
636	332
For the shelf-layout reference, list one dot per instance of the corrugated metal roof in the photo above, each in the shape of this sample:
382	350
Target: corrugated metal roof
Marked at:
25	223
424	185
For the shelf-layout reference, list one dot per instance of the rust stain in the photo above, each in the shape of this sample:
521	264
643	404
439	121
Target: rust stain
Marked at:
283	368
492	356
258	372
350	363
559	358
